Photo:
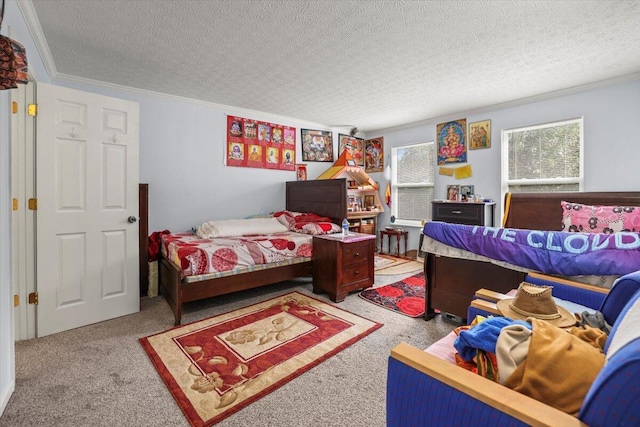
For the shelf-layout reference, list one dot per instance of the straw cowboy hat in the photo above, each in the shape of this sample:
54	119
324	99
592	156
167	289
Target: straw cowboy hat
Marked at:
535	301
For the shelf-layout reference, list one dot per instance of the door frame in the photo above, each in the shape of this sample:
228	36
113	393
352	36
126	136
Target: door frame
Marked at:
23	225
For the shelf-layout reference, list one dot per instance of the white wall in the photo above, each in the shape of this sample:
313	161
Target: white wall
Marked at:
611	142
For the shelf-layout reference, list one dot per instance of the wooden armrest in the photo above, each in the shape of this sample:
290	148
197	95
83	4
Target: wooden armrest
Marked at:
487	306
555	279
524	408
489	295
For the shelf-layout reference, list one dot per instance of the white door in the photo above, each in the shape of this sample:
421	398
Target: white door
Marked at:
87	189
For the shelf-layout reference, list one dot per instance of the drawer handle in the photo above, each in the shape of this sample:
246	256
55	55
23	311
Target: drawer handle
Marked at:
357	254
456	212
357	271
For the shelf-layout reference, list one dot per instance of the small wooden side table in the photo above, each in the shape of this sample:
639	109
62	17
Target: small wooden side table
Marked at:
399	235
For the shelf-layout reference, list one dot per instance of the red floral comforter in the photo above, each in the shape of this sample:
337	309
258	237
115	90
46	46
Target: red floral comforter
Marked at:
222	254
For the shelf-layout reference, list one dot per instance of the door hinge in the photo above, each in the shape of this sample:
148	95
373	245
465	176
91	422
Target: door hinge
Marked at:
33	298
16	300
32	109
14	107
15	204
33	204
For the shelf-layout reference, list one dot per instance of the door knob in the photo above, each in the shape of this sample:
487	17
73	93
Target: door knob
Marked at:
132	219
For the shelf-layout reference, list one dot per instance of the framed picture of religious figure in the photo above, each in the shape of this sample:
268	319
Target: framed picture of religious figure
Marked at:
374	155
355	147
480	135
317	145
452	141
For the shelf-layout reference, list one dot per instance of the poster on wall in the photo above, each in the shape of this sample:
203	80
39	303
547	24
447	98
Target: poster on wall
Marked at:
374	155
452	142
256	144
354	145
317	145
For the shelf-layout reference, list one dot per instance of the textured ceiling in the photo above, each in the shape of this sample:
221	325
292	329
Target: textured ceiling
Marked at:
370	64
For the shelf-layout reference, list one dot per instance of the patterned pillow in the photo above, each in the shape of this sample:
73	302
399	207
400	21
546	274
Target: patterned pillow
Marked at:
581	218
316	228
287	218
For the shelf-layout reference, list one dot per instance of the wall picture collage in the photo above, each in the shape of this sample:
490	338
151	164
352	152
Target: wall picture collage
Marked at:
256	144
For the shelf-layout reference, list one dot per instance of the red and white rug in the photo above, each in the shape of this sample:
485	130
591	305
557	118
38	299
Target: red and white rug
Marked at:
217	366
406	296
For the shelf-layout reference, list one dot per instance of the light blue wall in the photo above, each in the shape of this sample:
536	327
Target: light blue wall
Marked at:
611	141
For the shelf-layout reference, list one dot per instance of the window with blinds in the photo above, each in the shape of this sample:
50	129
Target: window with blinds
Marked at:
412	181
543	158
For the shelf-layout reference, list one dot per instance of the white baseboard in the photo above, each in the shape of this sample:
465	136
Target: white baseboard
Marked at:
6	395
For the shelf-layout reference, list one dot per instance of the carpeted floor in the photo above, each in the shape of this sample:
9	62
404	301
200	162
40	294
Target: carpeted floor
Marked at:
99	375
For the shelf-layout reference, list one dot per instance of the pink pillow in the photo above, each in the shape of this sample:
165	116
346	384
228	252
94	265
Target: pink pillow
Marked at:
581	218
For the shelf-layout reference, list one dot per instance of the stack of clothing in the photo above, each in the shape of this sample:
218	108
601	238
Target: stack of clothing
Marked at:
538	349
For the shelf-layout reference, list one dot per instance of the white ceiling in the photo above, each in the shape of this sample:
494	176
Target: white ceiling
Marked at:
370	64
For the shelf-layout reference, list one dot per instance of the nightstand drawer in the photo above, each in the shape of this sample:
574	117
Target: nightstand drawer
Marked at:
355	252
355	273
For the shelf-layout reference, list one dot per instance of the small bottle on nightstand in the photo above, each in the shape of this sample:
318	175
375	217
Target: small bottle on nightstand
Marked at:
345	227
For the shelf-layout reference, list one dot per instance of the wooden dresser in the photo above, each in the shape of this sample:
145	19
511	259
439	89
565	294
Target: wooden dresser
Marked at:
343	264
450	281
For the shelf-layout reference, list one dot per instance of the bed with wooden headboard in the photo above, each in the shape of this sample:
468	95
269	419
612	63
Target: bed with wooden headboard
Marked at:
452	282
325	197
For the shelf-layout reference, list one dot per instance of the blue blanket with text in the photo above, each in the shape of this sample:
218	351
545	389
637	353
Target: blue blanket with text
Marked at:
549	252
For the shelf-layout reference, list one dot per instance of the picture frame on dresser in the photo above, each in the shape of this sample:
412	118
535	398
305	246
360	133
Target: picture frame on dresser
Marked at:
452	193
466	191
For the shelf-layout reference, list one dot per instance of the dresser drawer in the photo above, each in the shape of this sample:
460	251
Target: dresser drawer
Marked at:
458	213
355	274
355	252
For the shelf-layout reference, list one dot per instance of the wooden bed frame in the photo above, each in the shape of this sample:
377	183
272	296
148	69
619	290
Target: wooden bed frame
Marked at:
452	282
323	197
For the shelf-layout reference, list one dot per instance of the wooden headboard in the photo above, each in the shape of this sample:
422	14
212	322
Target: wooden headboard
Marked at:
326	197
542	211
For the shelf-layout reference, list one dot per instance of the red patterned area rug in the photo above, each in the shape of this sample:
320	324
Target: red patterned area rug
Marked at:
217	366
405	297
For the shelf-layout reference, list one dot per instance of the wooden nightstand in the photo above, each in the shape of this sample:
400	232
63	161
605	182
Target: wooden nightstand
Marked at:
342	264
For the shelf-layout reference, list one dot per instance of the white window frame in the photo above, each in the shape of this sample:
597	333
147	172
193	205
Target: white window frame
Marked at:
505	181
394	186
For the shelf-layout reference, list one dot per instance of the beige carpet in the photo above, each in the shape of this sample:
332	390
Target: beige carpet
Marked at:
388	265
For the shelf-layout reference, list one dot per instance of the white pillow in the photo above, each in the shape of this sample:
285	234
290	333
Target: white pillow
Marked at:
239	227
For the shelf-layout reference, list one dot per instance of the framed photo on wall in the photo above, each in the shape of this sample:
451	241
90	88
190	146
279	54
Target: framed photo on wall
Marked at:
317	145
480	135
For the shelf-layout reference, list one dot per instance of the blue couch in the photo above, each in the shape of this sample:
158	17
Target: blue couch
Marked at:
424	390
